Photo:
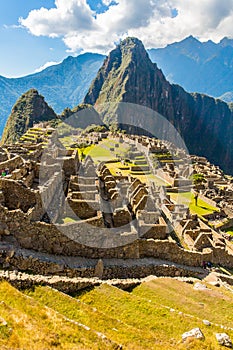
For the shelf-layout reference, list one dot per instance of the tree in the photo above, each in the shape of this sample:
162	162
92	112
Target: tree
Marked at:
198	179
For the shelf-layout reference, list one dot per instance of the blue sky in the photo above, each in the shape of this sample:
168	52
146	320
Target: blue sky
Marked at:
32	37
21	52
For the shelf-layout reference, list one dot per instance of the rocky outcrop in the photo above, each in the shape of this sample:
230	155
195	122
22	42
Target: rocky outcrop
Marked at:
128	75
30	109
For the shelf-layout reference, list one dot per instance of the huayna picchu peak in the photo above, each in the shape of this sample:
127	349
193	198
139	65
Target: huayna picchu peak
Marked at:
128	75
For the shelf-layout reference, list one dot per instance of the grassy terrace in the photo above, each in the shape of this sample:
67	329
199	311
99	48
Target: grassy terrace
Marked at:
202	208
32	326
67	141
103	152
152	316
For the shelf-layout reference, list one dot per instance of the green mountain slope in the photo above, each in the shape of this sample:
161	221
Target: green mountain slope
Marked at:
30	109
152	316
26	324
81	116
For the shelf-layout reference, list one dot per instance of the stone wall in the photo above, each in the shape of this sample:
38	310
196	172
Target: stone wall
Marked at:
83	209
45	264
87	239
12	163
154	231
63	284
165	176
168	250
17	196
71	164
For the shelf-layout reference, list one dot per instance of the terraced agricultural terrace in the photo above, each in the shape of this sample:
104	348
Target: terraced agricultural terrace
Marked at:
151	316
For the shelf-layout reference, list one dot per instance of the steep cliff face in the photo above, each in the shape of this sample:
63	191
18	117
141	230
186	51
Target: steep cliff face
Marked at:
128	75
29	109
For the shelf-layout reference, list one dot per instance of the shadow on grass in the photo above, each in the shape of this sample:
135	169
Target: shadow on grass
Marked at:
199	206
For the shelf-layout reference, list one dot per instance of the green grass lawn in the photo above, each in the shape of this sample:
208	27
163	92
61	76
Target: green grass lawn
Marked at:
67	141
100	153
118	167
68	220
202	208
103	152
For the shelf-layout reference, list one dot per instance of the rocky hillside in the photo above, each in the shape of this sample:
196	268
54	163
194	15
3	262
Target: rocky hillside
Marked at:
128	75
30	108
203	67
63	85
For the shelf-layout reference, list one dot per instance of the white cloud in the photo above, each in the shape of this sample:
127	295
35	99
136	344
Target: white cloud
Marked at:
68	16
107	2
12	26
152	21
46	65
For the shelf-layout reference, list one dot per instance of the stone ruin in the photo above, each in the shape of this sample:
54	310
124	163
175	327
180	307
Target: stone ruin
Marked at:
53	206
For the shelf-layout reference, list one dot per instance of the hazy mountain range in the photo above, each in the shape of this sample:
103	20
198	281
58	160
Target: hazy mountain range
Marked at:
202	67
198	67
63	85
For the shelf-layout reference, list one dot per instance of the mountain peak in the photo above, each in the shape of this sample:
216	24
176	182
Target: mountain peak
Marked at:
129	76
226	42
189	42
128	57
30	108
191	38
131	42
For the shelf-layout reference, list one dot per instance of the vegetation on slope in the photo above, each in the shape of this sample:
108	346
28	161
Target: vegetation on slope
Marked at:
81	116
30	108
152	316
63	85
32	326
